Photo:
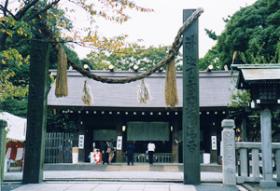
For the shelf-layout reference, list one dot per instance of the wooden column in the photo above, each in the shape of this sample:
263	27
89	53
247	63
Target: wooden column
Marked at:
191	131
175	143
82	132
37	111
119	153
88	138
214	147
244	128
214	139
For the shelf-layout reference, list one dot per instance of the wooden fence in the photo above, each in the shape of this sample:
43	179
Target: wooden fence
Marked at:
158	157
58	147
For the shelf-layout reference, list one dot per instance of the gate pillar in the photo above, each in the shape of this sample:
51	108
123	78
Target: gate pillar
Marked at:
191	127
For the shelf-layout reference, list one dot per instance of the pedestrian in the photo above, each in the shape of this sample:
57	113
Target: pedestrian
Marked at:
105	156
130	153
151	150
97	156
110	151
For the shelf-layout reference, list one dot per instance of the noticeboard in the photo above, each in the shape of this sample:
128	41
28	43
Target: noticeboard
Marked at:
119	143
81	141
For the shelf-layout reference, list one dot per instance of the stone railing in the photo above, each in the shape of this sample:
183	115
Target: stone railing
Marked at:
244	161
249	162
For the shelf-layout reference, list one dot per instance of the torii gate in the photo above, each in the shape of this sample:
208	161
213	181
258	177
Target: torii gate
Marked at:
37	105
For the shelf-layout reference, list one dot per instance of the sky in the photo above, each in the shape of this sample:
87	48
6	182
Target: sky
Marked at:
160	27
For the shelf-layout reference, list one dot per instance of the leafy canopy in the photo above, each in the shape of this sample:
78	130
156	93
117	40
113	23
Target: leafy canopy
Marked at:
17	21
252	32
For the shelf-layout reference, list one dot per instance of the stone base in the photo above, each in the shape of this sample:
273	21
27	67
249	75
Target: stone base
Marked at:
268	184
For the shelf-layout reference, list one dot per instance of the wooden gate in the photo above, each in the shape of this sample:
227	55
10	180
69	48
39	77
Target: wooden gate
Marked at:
58	147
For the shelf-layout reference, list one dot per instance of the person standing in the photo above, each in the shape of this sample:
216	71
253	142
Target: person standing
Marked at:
105	155
110	151
130	153
151	150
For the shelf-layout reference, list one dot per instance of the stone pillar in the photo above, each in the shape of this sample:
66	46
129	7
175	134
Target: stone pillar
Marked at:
266	148
228	144
277	161
3	125
191	127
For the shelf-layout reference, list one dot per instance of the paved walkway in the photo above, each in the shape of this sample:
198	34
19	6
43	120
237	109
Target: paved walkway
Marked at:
119	181
136	176
123	186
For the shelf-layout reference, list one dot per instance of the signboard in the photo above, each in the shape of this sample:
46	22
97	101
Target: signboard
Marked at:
81	141
119	143
214	142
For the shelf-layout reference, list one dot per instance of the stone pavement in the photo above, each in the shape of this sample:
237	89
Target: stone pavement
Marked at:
123	186
119	181
136	176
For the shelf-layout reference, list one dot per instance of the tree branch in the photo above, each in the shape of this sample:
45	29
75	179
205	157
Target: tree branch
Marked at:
47	7
5	9
22	12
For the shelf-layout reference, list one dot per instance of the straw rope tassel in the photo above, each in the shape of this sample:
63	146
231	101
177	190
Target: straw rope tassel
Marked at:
143	94
87	94
61	84
234	57
171	97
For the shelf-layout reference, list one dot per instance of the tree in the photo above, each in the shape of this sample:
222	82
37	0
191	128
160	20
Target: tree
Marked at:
127	58
16	33
253	33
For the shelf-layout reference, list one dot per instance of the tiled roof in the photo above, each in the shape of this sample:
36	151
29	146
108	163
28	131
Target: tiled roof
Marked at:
215	90
261	74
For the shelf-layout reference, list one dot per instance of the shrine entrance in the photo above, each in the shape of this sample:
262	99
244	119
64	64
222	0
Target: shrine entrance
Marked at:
36	123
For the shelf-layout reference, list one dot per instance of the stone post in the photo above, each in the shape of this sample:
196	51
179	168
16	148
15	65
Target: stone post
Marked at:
228	144
266	148
191	127
3	124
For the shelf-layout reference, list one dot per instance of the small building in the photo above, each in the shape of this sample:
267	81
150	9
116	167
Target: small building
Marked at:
116	113
16	133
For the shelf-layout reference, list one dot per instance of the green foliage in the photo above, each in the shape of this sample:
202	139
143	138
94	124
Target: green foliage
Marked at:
15	59
14	29
3	123
59	122
211	34
211	57
16	106
126	58
240	98
254	32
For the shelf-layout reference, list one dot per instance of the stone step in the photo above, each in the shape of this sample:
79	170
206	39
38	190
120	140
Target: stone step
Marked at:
161	167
